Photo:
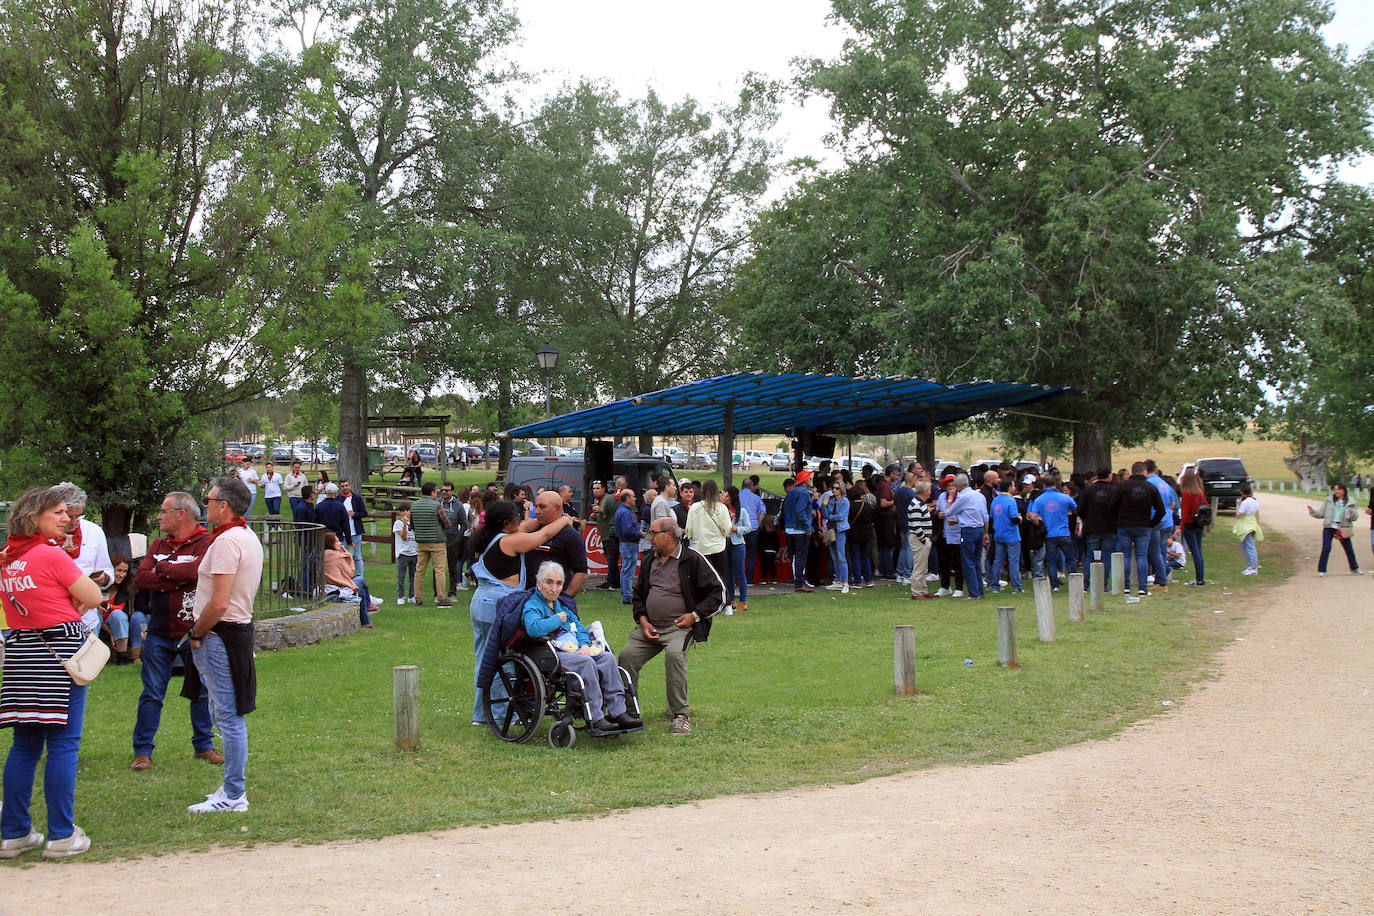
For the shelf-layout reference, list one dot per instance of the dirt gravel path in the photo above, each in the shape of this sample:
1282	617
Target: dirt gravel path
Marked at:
1252	795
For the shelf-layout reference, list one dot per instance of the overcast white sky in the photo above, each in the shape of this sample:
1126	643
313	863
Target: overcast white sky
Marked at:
701	49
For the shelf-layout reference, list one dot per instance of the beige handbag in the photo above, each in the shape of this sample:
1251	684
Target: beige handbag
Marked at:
85	662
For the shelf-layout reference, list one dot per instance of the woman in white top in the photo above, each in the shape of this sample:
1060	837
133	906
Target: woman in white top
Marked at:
708	525
1247	528
1338	515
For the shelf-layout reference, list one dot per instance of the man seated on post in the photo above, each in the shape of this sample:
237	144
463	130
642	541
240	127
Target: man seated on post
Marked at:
545	617
676	594
168	574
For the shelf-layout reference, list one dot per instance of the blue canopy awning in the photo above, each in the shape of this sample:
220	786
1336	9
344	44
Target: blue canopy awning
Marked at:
754	403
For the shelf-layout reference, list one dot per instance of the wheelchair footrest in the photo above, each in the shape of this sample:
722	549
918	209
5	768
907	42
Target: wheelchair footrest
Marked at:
613	732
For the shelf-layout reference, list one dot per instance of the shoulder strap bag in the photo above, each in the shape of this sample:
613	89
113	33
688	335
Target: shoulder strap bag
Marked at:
85	663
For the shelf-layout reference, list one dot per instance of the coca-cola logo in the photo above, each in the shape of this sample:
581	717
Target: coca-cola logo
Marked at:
596	554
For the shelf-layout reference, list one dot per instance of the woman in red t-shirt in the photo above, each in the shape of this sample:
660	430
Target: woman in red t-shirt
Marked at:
44	596
1191	497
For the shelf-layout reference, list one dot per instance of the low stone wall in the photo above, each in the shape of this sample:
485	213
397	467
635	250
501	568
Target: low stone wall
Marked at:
329	622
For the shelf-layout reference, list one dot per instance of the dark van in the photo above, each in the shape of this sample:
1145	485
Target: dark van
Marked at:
553	472
1222	479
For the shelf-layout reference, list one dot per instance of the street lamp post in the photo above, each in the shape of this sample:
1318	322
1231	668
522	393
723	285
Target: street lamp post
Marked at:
548	358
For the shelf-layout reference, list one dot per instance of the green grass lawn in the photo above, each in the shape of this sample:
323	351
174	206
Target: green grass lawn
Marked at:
797	690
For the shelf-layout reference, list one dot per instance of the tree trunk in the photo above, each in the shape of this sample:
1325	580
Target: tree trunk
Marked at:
1092	448
1309	464
352	440
117	522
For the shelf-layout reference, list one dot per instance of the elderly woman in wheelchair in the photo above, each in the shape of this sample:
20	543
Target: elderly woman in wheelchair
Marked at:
544	617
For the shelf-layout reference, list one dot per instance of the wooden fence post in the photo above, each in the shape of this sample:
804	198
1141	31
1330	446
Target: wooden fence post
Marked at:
1006	637
1076	597
1044	610
1118	574
1096	587
405	683
904	659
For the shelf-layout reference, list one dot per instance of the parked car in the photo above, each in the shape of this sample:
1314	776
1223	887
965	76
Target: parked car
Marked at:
392	451
254	451
233	446
281	454
754	456
1222	479
234	455
780	461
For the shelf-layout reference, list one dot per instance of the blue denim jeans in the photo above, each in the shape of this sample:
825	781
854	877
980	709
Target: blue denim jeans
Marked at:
860	562
59	773
212	661
970	556
1099	547
482	612
158	655
356	548
1037	561
138	628
296	503
1250	551
1008	552
273	505
839	560
737	574
629	556
364	600
904	555
405	576
1329	535
1134	539
1158	565
1062	558
1192	539
118	622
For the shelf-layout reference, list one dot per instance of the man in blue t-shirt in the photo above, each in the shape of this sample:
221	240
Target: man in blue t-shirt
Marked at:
1055	509
1006	538
1160	535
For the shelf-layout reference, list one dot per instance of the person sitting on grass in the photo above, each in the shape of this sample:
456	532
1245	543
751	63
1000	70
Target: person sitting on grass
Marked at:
342	580
545	617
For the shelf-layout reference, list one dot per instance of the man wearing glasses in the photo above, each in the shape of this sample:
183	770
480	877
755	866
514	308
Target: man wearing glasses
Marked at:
168	575
676	594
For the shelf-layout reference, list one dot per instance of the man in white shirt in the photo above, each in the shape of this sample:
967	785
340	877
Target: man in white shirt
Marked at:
271	489
86	545
292	483
250	480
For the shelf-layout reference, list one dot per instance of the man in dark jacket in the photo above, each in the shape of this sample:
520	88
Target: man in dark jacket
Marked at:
331	513
1099	521
676	594
1138	508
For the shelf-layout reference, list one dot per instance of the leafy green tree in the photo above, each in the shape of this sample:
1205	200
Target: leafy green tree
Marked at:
1065	193
412	137
158	248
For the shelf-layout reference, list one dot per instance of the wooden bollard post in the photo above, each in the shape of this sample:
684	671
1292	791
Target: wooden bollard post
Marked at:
1044	610
405	683
1096	591
1118	574
1006	637
1076	597
904	659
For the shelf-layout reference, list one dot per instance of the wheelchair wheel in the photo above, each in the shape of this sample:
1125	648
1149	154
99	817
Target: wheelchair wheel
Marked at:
515	700
562	734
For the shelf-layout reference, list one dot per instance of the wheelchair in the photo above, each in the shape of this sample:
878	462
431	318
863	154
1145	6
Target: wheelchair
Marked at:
536	685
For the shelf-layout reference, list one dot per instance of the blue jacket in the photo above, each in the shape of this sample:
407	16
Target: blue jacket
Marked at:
541	621
332	514
796	509
626	525
836	512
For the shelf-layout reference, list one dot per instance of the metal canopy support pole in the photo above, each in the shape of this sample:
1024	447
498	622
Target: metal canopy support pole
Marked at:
442	456
725	458
925	444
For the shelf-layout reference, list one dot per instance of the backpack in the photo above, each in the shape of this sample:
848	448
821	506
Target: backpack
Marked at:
1202	515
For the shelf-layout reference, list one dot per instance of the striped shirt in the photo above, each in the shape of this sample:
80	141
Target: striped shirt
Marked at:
918	520
36	688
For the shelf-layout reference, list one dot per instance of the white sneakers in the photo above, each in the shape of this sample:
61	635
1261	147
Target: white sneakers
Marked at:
73	845
845	590
1251	571
19	845
836	586
218	801
958	593
943	593
932	577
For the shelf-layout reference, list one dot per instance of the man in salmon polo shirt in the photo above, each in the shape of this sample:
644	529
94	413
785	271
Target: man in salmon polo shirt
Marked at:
221	635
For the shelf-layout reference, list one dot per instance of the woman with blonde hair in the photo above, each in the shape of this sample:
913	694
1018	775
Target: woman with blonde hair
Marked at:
45	594
708	526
